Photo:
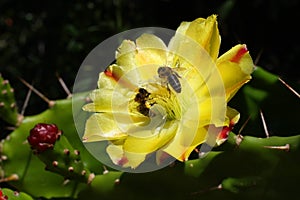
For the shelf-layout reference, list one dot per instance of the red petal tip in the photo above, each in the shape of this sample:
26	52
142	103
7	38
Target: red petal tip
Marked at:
241	52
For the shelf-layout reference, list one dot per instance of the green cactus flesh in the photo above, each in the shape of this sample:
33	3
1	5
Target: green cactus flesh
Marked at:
8	108
14	195
244	167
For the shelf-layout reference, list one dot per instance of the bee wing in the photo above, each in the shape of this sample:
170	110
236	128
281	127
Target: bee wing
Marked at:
179	71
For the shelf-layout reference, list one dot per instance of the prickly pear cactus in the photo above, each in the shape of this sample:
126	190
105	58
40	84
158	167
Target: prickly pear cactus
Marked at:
244	167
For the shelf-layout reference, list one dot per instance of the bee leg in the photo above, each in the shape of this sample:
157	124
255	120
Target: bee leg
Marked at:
168	88
164	83
176	74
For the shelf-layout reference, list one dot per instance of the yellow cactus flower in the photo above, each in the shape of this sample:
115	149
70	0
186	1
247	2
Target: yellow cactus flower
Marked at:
164	101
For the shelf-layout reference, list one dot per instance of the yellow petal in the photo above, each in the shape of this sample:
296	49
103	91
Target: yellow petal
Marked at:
138	145
208	96
150	142
124	159
108	100
235	66
134	159
100	126
218	134
125	55
148	49
188	134
178	150
116	154
210	105
105	81
102	100
122	76
213	111
233	115
205	32
193	127
151	50
110	126
222	136
141	60
186	53
199	139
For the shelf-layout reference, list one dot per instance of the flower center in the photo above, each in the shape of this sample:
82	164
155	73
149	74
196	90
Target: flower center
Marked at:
153	94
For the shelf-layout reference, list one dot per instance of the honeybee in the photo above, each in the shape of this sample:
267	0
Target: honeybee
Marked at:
142	97
168	75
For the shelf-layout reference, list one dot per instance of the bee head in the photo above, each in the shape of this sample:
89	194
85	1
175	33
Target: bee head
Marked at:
162	70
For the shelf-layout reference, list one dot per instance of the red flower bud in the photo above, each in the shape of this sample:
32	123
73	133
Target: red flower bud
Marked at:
43	137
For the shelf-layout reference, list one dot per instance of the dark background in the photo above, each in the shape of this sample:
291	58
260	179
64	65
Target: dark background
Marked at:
39	39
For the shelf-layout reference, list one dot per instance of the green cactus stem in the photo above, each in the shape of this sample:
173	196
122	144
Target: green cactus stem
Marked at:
8	107
14	195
